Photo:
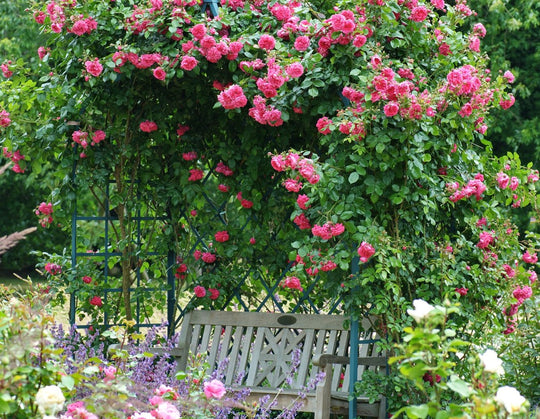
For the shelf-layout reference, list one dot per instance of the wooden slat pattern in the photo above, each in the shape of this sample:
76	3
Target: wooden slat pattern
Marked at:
261	346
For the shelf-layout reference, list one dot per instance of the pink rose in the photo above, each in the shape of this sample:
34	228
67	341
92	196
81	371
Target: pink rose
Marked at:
148	126
159	73
94	67
391	109
529	258
199	291
214	389
365	251
222	236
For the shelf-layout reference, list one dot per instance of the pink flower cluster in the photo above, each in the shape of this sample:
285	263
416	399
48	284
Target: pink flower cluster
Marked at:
15	158
5	121
77	410
56	15
301	165
148	126
44	212
6	72
200	292
53	268
83	25
214	389
292	282
474	187
223	169
233	97
463	81
328	230
265	114
82	138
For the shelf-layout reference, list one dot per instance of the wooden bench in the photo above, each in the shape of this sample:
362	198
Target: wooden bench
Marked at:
259	348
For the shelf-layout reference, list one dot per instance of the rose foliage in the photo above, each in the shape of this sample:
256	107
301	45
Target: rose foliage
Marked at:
373	113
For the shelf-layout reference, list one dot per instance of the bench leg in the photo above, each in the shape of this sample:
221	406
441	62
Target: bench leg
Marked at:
322	397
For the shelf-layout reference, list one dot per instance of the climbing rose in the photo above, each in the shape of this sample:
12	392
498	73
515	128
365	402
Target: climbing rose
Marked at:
301	43
188	63
295	70
267	42
302	201
485	240
96	301
278	163
159	73
195	175
94	67
503	179
293	283
214	389
199	291
233	97
87	279
462	291
528	258
509	76
365	251
491	362
214	293
391	109
4	119
419	13
505	104
208	257
222	236
148	126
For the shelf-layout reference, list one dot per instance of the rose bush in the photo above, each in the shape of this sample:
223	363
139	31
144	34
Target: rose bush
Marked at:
374	114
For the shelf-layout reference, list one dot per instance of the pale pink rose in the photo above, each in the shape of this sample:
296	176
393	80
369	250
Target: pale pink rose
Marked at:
214	389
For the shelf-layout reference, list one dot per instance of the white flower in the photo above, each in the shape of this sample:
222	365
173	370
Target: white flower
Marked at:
50	399
421	310
491	362
510	398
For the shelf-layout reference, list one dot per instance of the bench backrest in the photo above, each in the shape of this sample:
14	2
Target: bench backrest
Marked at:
256	349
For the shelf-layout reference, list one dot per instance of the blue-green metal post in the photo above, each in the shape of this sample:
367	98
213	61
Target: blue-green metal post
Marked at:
353	345
171	293
72	300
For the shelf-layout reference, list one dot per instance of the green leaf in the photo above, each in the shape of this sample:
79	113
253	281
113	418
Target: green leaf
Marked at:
461	387
353	177
313	92
68	382
420	411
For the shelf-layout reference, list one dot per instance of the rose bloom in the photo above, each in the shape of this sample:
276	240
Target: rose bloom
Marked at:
159	73
365	251
188	63
214	389
529	258
295	70
419	13
93	67
96	301
148	126
267	42
301	43
214	293
87	279
510	398
293	283
222	236
208	257
421	310
391	109
50	399
491	362
199	291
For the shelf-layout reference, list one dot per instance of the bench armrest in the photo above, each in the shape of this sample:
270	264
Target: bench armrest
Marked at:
322	360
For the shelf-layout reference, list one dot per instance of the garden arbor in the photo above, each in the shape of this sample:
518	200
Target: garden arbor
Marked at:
269	146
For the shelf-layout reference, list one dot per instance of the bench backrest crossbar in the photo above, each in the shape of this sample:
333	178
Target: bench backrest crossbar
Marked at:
256	349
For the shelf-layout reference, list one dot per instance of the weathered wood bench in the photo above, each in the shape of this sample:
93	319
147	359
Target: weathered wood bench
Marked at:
259	348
